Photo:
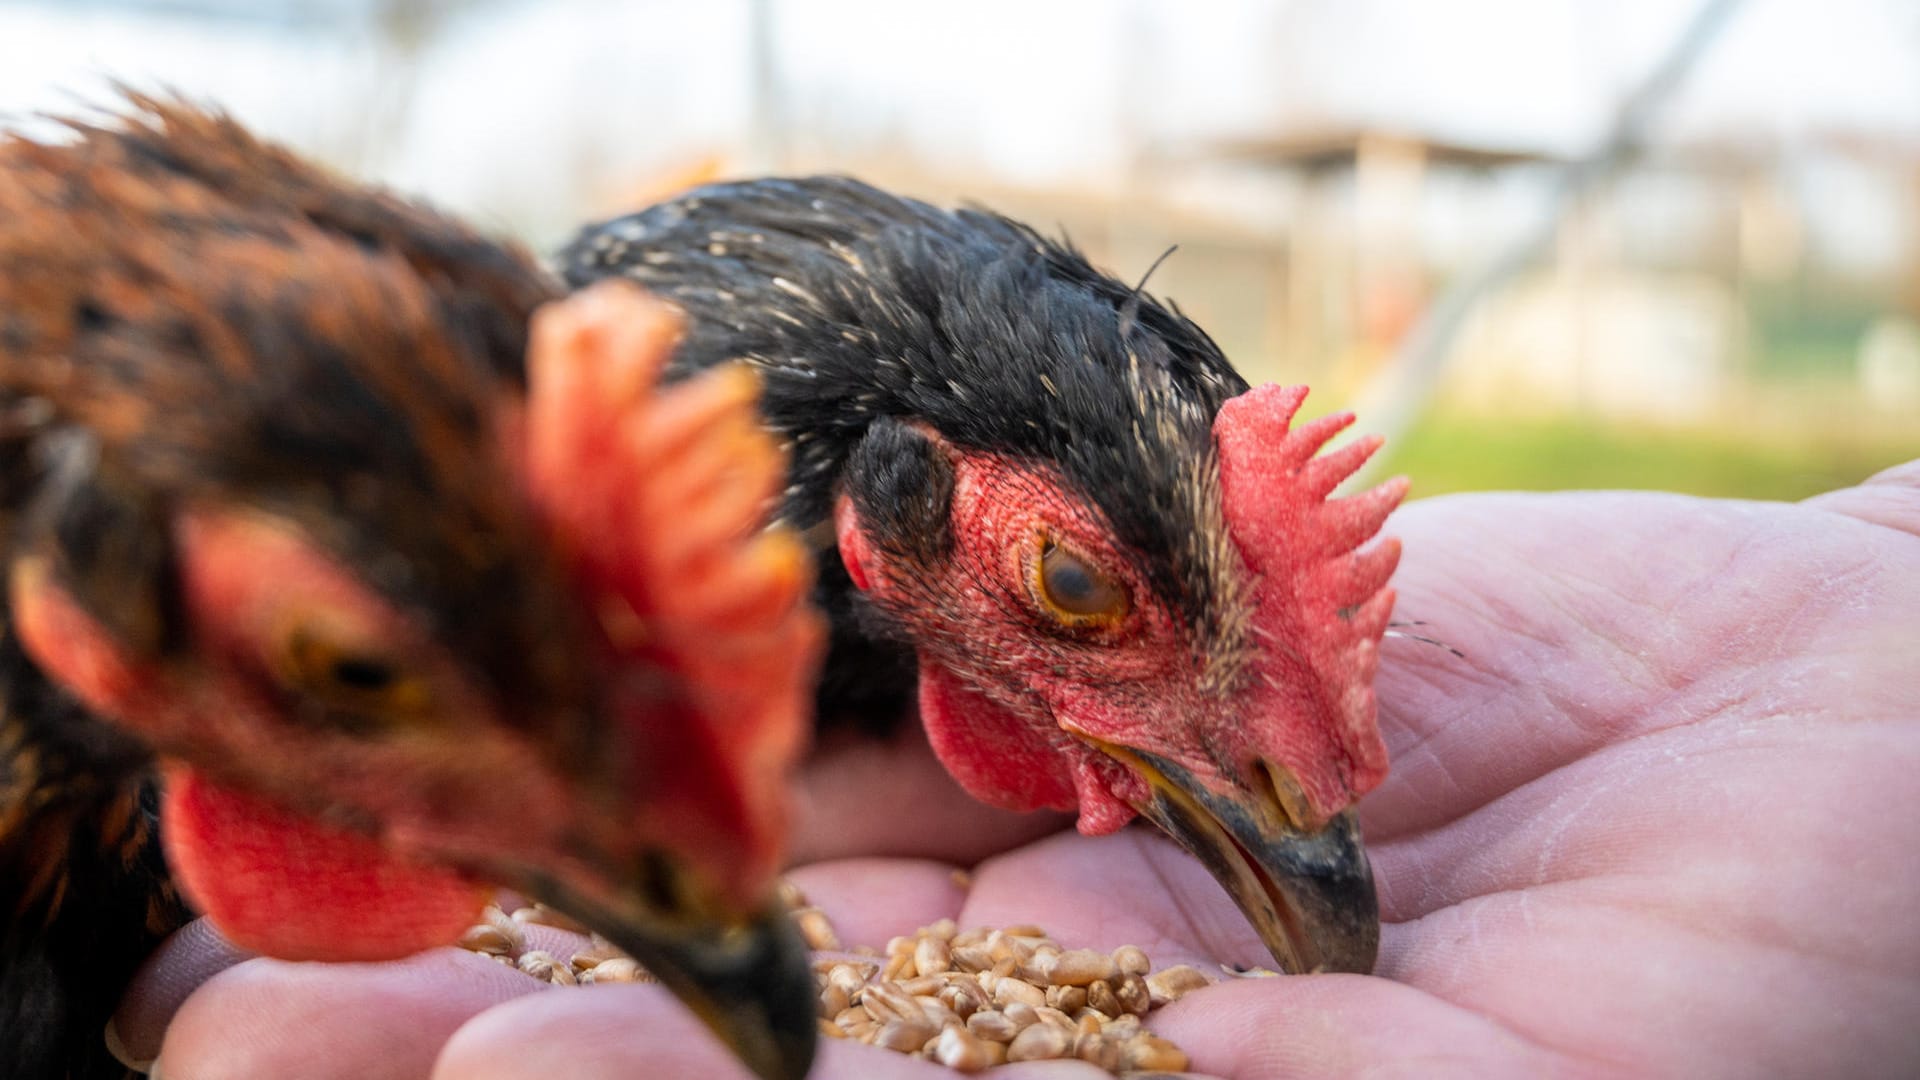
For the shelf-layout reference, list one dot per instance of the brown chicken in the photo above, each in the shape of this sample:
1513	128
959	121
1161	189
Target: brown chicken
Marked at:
400	598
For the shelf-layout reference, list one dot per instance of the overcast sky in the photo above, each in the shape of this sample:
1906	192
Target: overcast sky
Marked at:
516	96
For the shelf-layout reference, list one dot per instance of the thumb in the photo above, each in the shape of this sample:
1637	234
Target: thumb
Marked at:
207	1010
1890	498
1342	1025
187	958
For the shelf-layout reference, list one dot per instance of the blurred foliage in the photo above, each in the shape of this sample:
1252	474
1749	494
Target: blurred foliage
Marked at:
1806	327
1455	452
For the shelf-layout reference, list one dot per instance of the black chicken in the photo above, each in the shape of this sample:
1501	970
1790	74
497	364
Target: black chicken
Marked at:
1047	505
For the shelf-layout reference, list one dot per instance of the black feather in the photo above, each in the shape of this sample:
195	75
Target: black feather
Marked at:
902	485
84	892
859	307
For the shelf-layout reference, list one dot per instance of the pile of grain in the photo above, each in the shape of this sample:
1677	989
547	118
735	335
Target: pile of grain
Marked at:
968	999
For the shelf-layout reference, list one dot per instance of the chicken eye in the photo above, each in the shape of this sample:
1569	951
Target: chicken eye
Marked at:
1075	591
352	678
364	674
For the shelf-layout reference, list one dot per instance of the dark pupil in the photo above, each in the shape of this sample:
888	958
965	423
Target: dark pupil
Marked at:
358	673
1070	582
1075	587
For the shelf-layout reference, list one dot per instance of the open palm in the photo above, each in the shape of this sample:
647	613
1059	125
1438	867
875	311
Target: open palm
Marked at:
1656	819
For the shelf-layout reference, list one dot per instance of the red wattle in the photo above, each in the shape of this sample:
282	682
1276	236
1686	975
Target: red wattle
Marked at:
286	886
1101	811
997	757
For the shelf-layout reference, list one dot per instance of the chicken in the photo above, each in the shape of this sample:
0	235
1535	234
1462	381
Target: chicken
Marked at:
405	584
1046	507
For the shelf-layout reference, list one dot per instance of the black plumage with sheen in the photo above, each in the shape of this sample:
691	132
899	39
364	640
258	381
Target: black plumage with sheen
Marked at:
864	311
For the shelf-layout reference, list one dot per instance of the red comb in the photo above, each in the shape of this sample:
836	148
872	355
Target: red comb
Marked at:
1322	603
658	496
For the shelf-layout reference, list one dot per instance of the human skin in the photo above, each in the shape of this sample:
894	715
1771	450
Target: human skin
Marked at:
1657	819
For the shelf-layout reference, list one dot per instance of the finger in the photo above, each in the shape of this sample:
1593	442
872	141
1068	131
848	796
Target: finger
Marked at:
555	942
196	953
1132	888
326	1021
1343	1025
1890	498
872	900
619	1032
862	796
188	957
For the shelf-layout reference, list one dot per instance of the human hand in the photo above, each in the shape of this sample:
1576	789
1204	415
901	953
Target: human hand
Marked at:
1655	822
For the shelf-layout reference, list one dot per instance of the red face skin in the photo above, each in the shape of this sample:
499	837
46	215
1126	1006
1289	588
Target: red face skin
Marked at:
450	786
307	840
275	879
1017	707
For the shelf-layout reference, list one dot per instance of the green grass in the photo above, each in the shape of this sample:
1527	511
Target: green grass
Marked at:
1457	453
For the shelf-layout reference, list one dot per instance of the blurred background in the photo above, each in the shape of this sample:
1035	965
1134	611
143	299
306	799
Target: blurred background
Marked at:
1540	243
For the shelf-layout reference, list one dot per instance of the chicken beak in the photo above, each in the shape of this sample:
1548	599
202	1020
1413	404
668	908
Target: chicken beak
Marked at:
748	979
1308	893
